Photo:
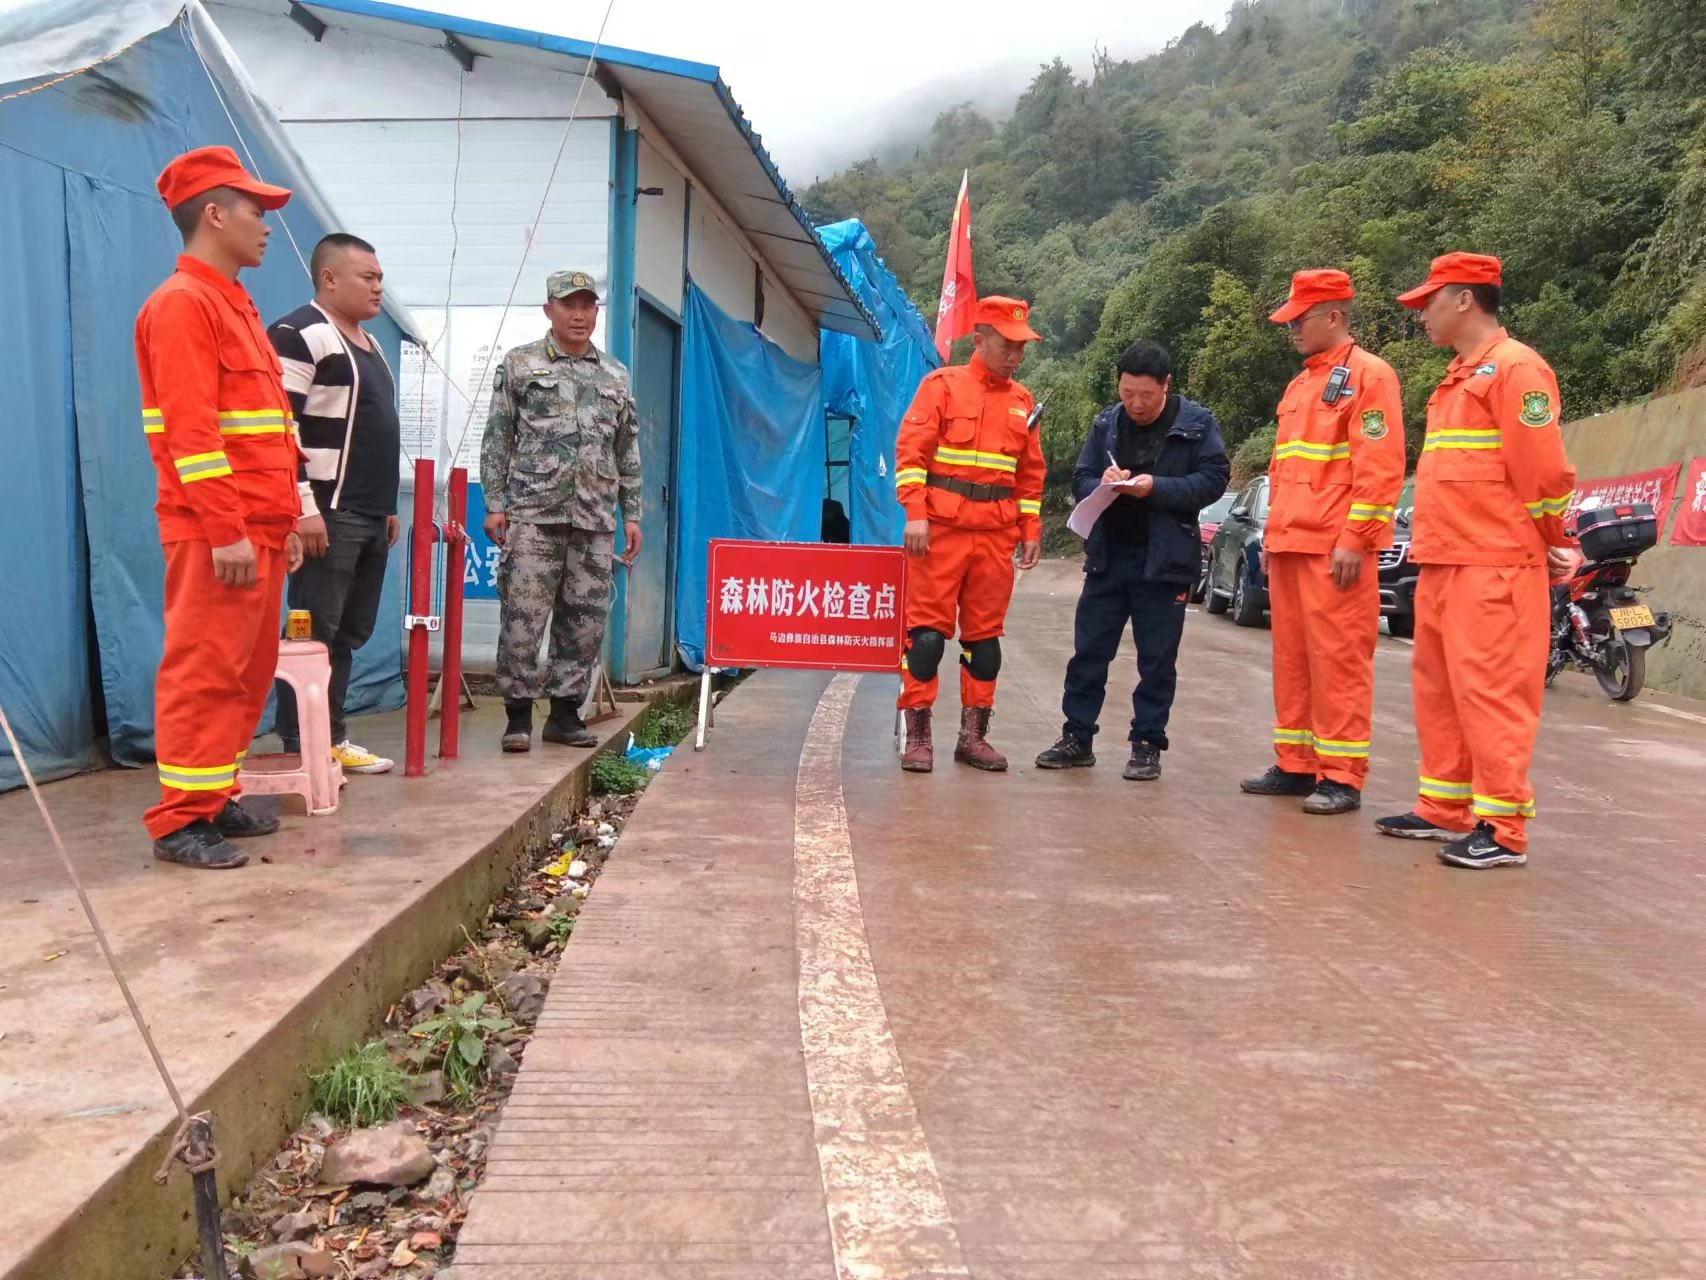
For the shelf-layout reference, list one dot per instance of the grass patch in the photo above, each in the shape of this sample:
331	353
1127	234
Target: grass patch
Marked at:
613	775
665	724
364	1087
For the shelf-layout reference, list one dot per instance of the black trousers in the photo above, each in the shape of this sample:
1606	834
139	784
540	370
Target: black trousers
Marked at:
341	591
1156	611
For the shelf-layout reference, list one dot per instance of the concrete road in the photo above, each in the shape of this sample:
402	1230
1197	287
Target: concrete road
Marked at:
824	1019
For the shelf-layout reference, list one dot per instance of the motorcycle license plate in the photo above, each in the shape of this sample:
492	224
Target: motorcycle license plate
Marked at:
1635	615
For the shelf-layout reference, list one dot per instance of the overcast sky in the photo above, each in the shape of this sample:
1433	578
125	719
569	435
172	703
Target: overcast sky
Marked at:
821	82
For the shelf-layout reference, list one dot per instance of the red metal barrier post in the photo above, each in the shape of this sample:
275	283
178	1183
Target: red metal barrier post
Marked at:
419	619
455	573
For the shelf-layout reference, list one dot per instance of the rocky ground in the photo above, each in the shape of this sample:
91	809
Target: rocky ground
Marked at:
363	1203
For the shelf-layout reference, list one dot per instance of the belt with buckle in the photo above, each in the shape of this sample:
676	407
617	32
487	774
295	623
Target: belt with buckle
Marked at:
967	489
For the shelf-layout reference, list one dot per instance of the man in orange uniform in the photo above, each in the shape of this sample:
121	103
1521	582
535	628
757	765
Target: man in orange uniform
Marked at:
1337	470
219	429
969	471
1491	491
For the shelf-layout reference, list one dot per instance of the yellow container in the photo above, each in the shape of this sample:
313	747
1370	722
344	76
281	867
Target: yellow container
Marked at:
298	625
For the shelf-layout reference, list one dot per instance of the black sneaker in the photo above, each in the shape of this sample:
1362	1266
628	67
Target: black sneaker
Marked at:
1071	752
518	732
1408	826
1333	797
565	726
1278	782
1145	763
234	822
1480	848
199	845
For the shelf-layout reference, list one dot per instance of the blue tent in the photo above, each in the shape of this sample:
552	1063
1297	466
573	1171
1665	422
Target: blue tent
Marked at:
872	383
83	240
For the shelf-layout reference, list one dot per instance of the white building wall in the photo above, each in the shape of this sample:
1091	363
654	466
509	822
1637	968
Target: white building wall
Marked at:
660	228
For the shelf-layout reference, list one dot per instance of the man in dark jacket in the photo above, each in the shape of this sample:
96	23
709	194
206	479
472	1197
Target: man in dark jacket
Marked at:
1142	555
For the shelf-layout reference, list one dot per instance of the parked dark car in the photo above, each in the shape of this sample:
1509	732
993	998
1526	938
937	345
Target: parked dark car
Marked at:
1234	581
1208	524
1398	573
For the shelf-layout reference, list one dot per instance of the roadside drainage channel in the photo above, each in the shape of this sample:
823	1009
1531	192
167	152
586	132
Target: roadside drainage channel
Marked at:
348	1200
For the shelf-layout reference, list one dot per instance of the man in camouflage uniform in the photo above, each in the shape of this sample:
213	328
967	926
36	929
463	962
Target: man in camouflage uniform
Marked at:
561	451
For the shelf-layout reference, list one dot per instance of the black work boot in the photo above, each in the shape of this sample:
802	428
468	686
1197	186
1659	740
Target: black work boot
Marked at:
1071	752
1145	763
199	845
565	727
1411	826
518	733
1480	848
1277	782
1333	797
234	822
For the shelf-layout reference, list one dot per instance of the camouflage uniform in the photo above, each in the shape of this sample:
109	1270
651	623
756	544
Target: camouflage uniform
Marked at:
561	450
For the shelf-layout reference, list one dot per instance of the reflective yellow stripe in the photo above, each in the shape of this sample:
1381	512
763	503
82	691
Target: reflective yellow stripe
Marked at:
909	476
202	466
1370	511
1311	451
1462	438
972	458
197	777
273	426
1030	506
1298	737
1488	807
1548	507
1439	789
153	422
1350	750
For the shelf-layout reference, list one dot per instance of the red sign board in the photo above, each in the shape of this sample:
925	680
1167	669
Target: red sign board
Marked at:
1691	520
801	604
1656	487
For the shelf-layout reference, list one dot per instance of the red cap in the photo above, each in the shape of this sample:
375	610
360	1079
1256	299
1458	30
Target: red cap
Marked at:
1311	287
1454	268
1008	317
208	167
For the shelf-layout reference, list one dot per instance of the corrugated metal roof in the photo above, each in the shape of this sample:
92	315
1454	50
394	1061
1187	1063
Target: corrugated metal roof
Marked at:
698	115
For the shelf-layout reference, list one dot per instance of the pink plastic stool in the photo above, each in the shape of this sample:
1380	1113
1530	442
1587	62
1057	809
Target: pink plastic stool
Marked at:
315	775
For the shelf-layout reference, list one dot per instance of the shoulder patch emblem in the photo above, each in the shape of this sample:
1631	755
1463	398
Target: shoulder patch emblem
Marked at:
1374	424
1487	370
1536	408
1015	411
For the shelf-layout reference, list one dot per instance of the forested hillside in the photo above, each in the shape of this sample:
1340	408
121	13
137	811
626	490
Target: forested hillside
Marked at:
1172	197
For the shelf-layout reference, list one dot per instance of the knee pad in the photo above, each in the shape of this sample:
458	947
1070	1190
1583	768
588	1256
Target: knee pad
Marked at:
924	652
982	658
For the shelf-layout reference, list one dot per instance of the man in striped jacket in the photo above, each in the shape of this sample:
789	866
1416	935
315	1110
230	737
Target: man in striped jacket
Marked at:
345	401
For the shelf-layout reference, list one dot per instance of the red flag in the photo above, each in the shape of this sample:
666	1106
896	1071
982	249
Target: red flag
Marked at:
959	289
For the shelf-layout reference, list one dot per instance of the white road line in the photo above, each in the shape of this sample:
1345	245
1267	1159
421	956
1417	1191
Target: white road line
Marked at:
888	1216
1672	711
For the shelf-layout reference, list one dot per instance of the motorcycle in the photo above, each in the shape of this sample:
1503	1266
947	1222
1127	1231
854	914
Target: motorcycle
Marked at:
1599	623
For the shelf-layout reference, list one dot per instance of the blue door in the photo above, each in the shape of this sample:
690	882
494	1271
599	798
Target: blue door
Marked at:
657	379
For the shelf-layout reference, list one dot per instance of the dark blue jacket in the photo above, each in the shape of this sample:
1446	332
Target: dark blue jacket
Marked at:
1191	471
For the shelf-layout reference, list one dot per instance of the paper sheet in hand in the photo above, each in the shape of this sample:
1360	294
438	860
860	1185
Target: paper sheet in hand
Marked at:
1086	513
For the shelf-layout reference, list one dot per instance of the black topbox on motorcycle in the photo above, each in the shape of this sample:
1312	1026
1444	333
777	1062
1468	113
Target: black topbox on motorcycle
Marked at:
1612	533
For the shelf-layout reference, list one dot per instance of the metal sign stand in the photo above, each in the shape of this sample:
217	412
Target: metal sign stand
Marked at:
707	713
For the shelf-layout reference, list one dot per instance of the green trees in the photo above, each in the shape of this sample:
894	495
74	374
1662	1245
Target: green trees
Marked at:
1172	197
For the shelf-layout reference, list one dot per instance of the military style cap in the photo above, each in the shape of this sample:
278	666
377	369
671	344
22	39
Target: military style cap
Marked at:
563	284
1308	288
1456	269
208	167
1007	316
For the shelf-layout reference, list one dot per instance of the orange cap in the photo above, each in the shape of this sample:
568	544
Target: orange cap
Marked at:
1454	268
1311	287
208	167
1008	317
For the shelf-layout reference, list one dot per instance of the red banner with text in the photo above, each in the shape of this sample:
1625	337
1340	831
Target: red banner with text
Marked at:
1656	487
808	605
1691	520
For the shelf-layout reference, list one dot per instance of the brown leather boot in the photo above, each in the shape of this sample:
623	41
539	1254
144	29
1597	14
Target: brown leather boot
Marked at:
973	748
919	755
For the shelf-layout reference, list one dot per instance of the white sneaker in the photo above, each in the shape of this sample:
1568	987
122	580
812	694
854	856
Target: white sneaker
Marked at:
359	759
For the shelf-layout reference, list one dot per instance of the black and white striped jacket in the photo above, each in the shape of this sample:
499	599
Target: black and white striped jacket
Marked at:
323	383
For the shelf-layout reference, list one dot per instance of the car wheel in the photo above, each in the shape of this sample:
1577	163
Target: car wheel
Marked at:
1212	601
1246	603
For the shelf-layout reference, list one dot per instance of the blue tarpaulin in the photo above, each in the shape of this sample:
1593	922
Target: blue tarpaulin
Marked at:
752	451
873	383
83	240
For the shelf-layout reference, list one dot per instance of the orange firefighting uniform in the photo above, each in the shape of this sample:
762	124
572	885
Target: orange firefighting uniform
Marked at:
966	424
1336	474
1491	491
220	431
